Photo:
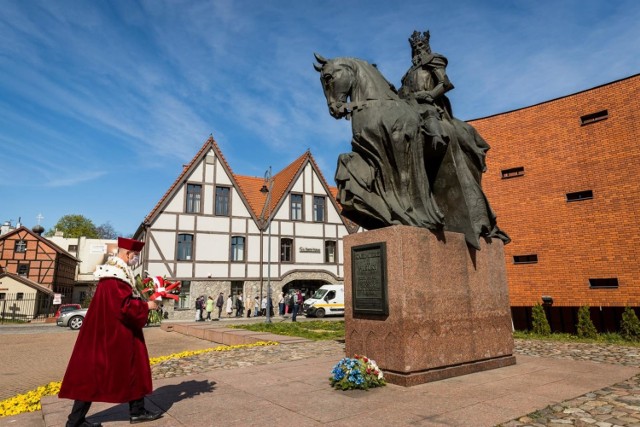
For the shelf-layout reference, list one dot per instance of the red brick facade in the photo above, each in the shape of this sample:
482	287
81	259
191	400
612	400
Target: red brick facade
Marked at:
575	241
24	253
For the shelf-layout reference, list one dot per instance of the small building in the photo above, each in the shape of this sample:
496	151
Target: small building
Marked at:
22	299
217	231
25	253
563	179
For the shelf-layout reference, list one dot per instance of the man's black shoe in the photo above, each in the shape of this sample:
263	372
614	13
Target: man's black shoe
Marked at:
144	417
86	423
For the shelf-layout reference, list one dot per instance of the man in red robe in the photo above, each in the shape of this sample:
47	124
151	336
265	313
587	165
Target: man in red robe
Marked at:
110	362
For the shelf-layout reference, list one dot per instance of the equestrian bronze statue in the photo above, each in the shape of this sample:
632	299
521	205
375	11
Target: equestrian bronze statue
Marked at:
412	162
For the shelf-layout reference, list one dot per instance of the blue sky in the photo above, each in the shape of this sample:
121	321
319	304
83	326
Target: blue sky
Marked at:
102	102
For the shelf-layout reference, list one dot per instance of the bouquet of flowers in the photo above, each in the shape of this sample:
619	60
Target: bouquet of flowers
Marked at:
357	373
157	289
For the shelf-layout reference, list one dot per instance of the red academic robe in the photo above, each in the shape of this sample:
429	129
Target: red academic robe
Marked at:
110	362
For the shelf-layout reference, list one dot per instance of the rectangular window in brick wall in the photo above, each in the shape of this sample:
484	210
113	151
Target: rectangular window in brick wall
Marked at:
579	195
611	282
525	259
594	117
512	173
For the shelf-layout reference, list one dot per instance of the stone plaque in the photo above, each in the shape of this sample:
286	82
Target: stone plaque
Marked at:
369	279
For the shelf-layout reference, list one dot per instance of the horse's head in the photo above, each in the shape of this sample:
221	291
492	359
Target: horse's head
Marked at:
337	79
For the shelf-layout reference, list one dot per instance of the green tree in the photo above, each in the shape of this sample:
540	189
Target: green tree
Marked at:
540	322
630	325
585	327
74	226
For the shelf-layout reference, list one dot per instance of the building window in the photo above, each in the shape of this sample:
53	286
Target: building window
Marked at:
185	247
286	250
23	269
611	282
318	208
236	289
72	248
21	246
330	251
525	259
194	192
237	248
594	117
512	173
20	296
222	201
185	291
296	207
3	296
579	195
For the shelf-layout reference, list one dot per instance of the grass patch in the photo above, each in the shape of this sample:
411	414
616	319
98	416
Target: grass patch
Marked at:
316	330
604	338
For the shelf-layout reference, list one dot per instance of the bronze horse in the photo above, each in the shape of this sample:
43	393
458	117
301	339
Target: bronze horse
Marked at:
383	181
393	176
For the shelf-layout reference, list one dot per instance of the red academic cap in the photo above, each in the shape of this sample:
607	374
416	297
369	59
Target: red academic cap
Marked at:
130	244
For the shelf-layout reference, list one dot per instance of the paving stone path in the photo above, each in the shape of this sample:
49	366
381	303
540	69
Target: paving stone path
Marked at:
617	405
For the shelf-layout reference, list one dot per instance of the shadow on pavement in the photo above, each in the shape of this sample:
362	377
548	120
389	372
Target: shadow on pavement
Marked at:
161	400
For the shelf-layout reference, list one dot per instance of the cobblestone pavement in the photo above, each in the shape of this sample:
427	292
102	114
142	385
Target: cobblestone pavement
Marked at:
617	405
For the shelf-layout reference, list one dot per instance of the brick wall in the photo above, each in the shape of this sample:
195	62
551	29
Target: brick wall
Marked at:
580	240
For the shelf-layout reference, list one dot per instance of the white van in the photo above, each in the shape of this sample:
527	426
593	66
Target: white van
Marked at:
327	300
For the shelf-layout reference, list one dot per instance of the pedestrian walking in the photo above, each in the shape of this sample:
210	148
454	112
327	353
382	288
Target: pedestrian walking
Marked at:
110	362
297	303
239	305
256	306
199	307
281	304
249	306
209	307
229	309
263	306
220	303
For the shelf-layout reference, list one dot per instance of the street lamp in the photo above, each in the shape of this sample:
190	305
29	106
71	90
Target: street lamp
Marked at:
267	189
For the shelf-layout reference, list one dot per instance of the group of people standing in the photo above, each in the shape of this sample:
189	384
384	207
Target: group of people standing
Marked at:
291	303
205	307
288	303
233	307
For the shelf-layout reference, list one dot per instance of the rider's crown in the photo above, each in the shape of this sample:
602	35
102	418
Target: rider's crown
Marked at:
420	42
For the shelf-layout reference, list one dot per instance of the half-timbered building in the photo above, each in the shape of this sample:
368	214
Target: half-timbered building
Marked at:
221	232
27	254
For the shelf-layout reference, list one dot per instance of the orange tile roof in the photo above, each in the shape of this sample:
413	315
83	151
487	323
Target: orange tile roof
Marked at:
249	186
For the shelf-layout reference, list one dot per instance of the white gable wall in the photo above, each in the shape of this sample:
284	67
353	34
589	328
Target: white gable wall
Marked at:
211	251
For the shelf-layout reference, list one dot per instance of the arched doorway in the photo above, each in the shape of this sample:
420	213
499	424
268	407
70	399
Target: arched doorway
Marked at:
308	287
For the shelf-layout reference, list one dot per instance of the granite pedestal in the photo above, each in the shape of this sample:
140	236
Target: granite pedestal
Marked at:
448	307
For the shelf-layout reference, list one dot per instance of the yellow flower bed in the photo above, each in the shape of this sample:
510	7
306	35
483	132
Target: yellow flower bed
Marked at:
30	401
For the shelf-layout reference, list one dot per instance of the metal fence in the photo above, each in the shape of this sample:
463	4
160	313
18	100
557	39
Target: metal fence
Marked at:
21	307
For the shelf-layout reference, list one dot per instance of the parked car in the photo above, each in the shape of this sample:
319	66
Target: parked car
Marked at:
72	319
66	307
